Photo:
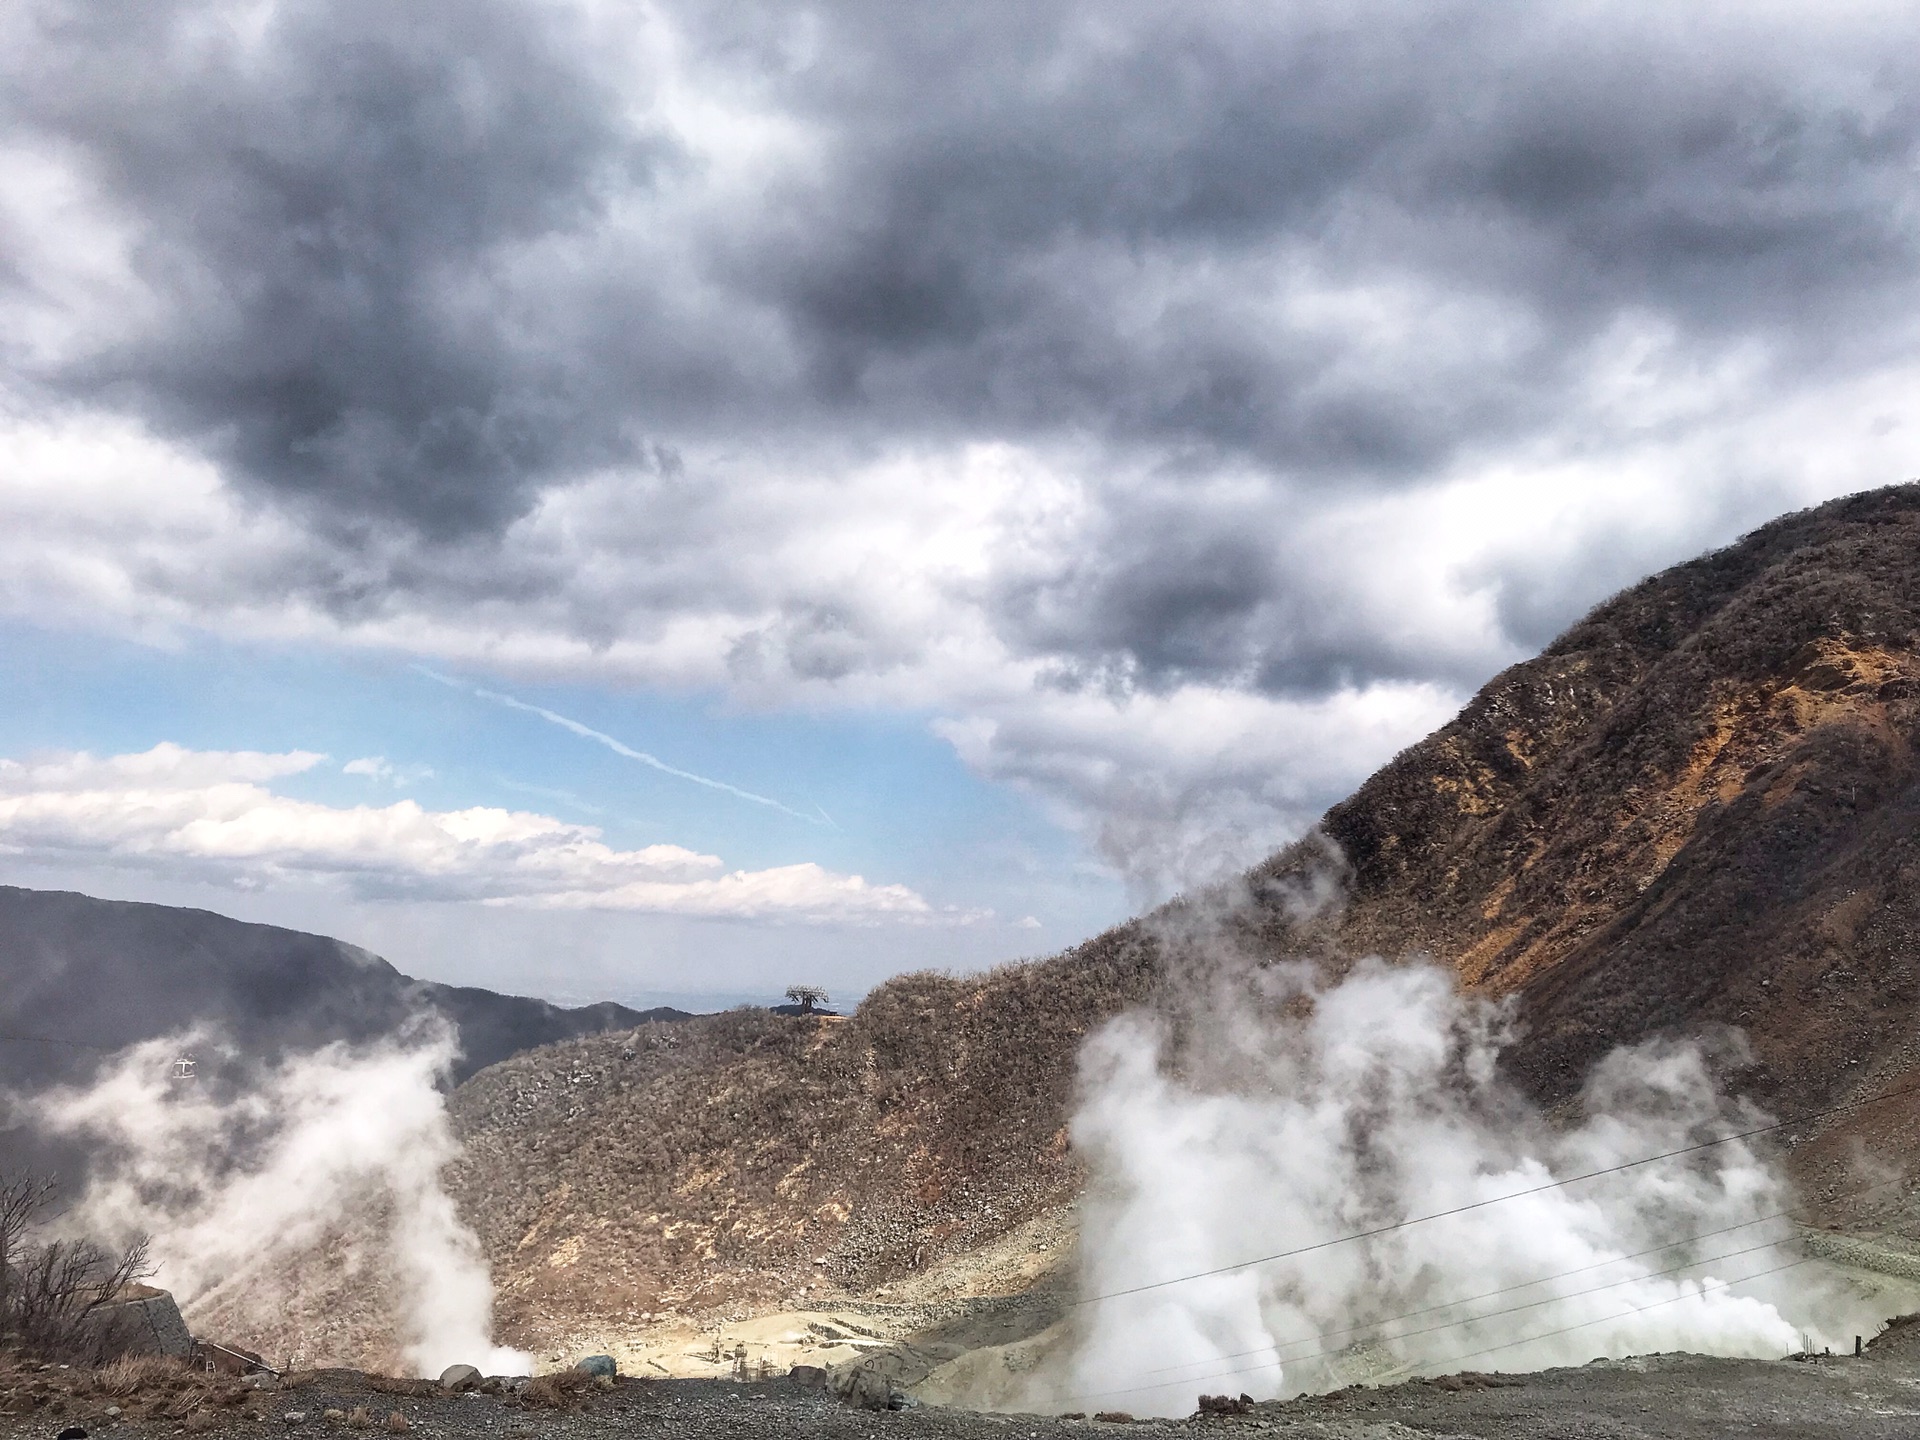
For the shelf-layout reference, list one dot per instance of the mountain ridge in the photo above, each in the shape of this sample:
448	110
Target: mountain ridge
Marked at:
1663	823
1651	824
99	975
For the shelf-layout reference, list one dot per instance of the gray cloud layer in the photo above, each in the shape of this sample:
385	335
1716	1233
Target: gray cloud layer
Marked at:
407	273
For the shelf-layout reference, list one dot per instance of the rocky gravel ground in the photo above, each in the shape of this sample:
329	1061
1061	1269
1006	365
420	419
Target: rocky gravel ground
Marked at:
1677	1397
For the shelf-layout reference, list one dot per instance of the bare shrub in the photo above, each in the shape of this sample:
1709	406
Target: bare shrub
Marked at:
53	1291
22	1199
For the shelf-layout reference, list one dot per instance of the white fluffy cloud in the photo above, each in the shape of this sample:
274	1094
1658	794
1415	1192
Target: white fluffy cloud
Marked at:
210	815
382	771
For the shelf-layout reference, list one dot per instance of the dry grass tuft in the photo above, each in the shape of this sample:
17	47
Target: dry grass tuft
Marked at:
558	1391
133	1374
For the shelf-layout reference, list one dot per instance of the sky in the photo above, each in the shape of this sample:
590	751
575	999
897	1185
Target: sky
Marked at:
671	499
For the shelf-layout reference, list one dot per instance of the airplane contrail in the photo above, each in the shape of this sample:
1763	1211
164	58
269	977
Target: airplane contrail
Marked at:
619	747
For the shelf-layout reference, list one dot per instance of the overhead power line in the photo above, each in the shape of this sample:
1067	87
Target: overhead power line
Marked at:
1675	1243
54	1040
1468	1355
1508	1289
1636	1309
1695	1149
1446	1325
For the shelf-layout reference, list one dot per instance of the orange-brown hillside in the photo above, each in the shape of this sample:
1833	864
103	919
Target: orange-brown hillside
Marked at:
1699	806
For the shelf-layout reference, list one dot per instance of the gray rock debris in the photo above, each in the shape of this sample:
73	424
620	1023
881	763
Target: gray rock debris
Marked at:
868	1385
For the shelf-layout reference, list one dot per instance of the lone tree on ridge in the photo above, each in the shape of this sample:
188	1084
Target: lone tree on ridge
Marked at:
806	997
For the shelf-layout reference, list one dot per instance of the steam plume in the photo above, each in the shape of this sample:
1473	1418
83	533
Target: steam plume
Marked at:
1288	1111
299	1204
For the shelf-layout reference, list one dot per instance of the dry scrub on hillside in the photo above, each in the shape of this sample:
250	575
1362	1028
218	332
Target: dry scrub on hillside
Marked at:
144	1387
696	1162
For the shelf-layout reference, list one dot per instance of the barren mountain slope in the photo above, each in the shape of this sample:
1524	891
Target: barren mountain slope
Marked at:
1697	806
719	1158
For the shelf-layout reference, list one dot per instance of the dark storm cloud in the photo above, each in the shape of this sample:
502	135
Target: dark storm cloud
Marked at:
319	208
1006	190
1167	593
395	285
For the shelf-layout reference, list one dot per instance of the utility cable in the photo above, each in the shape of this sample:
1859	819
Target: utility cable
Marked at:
1637	1309
1786	1214
1501	1199
1454	1359
53	1040
1446	1325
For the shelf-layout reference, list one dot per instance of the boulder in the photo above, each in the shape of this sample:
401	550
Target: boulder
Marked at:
867	1385
459	1377
868	1390
598	1365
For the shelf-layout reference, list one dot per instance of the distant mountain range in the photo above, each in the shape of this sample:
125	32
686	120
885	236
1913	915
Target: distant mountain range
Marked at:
81	976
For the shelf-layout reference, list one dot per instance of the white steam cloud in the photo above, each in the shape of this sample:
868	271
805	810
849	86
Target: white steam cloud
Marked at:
301	1207
1290	1112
